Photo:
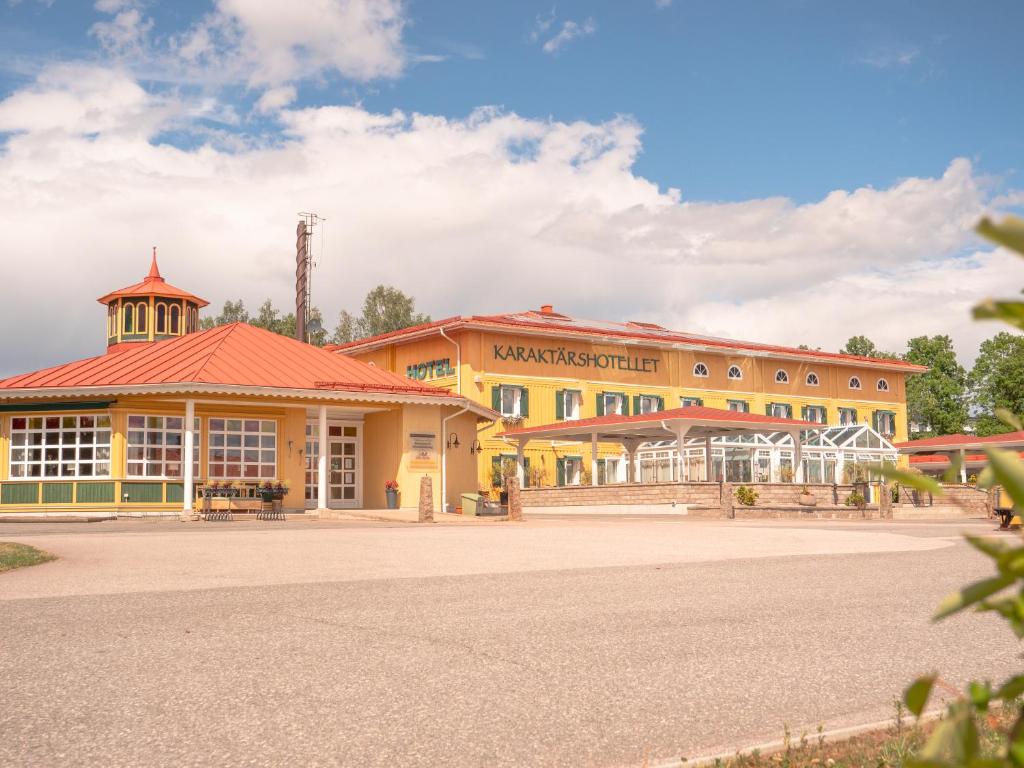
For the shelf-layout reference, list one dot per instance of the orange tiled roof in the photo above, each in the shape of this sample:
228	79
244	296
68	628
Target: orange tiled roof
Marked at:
558	325
152	285
238	354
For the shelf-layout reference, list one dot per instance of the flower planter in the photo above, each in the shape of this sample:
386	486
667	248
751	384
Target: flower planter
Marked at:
392	497
807	500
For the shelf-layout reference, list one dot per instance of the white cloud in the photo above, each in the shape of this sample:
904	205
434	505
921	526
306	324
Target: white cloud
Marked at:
886	58
570	31
662	3
489	213
126	33
274	99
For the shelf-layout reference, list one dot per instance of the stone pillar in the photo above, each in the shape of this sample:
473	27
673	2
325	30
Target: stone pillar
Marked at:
727	502
515	499
884	501
707	460
426	509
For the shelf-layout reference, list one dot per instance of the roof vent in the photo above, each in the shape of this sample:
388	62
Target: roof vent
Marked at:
547	309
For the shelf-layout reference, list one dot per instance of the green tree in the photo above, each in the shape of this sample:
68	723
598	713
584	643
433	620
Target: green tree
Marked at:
233	312
385	309
937	398
862	346
997	381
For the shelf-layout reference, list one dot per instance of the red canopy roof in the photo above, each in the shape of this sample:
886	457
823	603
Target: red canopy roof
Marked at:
958	441
695	413
152	285
238	354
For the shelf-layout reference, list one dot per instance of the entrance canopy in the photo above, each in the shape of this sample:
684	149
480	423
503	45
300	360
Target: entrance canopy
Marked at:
935	454
679	424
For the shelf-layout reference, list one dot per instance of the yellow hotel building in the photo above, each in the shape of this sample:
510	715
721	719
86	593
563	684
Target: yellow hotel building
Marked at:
541	366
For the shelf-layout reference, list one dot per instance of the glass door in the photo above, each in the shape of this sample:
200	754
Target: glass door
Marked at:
344	465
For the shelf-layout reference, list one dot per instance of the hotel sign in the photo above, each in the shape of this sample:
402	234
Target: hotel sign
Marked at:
430	369
573	359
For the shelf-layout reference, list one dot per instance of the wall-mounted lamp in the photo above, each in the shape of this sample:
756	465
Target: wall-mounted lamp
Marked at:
476	447
453	440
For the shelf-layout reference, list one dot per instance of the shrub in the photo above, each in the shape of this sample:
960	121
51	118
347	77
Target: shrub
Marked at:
746	496
856	500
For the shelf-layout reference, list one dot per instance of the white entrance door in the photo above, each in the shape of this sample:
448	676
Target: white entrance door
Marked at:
344	464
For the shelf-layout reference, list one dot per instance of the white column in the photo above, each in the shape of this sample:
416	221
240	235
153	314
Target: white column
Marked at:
321	467
680	449
520	464
798	459
963	466
707	460
593	458
186	460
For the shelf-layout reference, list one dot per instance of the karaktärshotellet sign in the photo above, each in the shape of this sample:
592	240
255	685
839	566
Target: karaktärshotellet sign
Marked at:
572	358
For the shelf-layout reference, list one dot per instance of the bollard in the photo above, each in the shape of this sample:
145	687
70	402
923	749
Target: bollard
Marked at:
884	501
515	499
726	500
426	510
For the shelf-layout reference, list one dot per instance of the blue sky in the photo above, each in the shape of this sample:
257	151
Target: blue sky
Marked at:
737	99
789	172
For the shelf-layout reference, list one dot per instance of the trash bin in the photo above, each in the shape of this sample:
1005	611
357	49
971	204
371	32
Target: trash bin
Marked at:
471	503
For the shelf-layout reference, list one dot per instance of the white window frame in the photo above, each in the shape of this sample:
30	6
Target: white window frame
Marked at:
572	403
613	397
842	413
149	427
782	376
882	385
786	409
823	411
517	400
37	436
878	423
730	403
227	434
738	375
701	370
816	381
577	477
652	401
851	383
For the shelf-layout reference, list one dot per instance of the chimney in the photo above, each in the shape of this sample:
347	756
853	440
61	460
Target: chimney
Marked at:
547	309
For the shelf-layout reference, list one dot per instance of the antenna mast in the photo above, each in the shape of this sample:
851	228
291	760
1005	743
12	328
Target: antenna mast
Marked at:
304	273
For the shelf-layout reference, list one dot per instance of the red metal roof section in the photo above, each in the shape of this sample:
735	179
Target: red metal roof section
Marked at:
563	325
238	354
956	441
153	285
943	460
691	412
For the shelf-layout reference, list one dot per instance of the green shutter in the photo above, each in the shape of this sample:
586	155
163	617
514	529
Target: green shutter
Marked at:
524	402
853	412
526	471
560	472
636	403
560	405
496	398
600	412
768	409
661	403
803	412
874	421
624	399
789	411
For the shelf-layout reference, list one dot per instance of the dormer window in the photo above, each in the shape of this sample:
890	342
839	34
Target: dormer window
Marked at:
701	370
781	377
812	379
854	382
735	374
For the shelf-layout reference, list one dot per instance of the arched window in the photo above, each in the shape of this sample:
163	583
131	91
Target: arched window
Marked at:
141	310
854	382
701	370
883	385
735	373
161	318
812	379
112	320
781	377
128	311
175	319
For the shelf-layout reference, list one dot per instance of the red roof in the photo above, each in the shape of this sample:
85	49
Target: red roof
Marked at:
238	354
943	460
152	285
555	324
947	442
690	412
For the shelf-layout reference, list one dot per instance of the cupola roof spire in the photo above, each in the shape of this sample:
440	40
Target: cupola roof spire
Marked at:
154	270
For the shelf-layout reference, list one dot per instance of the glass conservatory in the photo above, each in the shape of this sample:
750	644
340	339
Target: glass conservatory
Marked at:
830	454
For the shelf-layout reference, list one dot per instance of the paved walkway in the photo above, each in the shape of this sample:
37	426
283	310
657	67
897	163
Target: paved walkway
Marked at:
546	644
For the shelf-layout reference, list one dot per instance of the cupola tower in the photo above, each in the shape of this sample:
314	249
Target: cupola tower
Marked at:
151	310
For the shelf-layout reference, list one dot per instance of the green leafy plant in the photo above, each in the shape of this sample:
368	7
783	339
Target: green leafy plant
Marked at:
955	742
746	496
855	499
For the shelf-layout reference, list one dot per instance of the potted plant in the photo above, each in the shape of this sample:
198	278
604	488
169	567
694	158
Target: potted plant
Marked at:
786	474
806	498
266	492
391	493
746	496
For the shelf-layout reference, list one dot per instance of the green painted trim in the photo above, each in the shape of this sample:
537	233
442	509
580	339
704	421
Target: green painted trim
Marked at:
58	493
143	493
95	493
84	405
19	493
175	493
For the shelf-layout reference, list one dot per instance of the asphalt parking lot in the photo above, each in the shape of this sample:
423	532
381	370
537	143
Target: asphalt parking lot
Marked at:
550	643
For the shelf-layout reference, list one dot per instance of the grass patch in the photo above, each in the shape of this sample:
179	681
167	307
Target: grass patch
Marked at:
20	555
885	748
